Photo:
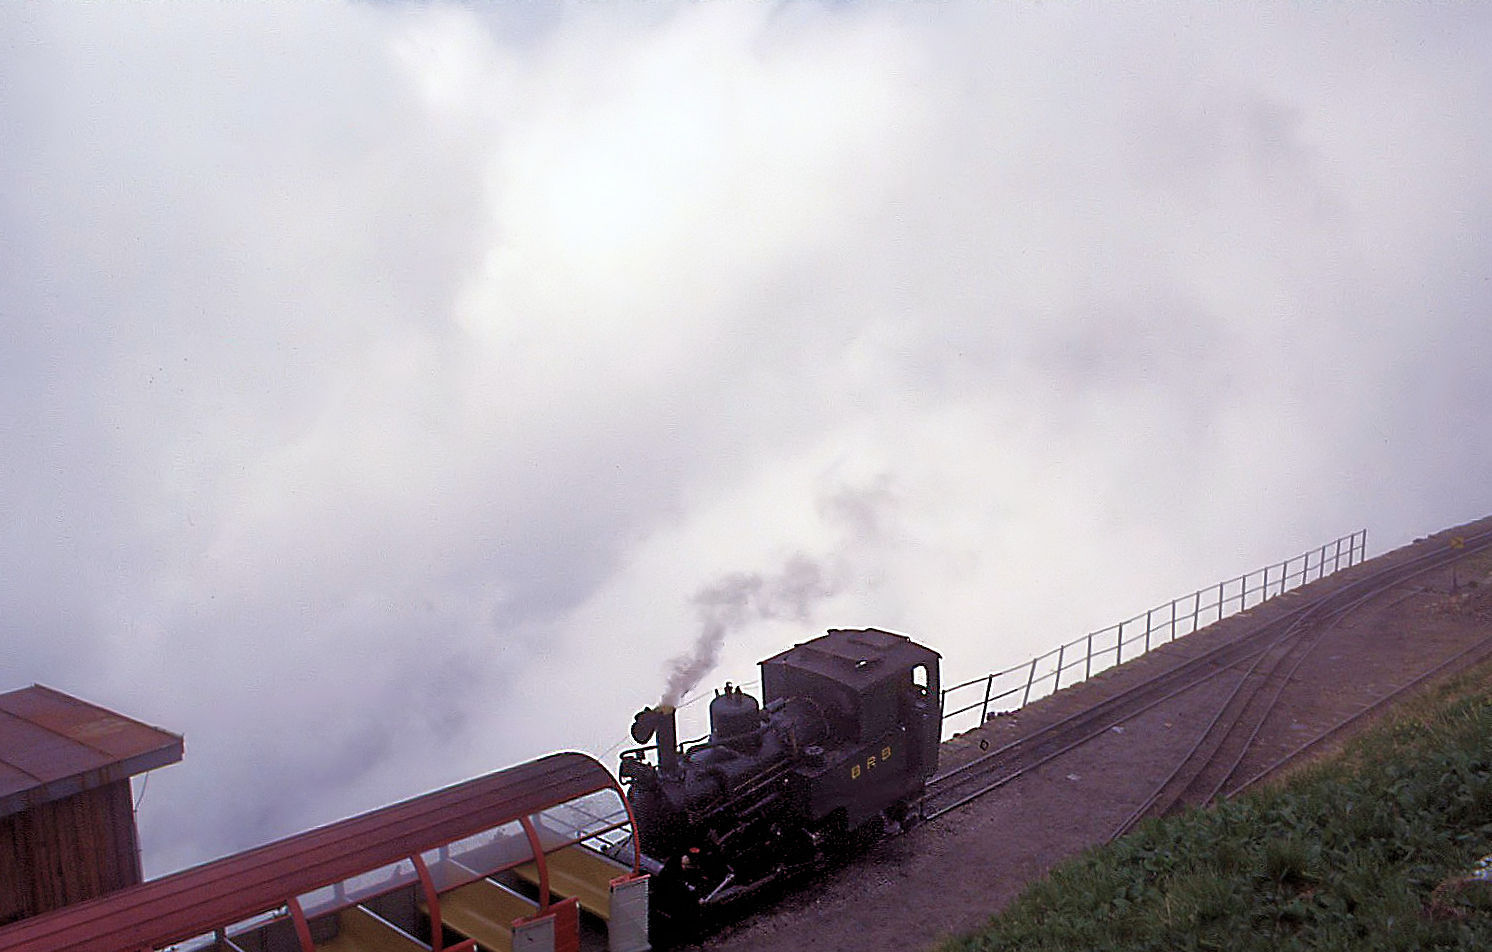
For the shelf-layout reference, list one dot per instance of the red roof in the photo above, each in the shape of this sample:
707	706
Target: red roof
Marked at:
197	900
53	745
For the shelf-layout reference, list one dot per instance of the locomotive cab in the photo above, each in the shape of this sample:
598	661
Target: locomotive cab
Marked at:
880	693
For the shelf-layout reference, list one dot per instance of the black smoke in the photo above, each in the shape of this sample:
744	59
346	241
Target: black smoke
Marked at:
735	600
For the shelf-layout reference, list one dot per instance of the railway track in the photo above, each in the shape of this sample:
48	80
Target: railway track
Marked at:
1214	758
1468	658
1263	660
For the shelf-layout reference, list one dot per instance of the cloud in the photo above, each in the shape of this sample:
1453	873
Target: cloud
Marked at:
383	385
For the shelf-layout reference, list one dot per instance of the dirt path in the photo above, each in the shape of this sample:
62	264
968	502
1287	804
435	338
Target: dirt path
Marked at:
950	875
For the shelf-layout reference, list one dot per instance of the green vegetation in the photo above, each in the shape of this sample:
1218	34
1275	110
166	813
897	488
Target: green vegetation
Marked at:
1370	850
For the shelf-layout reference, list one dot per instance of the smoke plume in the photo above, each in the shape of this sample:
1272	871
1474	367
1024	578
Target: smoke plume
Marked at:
734	601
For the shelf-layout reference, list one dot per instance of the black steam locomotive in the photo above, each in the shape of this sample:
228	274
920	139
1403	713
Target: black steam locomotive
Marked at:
838	752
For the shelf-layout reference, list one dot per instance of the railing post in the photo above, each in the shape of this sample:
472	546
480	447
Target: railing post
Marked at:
1061	653
1119	646
1029	678
989	684
1088	669
1219	601
1147	630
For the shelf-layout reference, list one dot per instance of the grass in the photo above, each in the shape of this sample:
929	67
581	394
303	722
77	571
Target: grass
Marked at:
1367	851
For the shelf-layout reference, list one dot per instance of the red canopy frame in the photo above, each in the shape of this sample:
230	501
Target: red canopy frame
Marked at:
214	895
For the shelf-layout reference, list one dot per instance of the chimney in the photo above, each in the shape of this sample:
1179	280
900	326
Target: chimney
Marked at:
660	721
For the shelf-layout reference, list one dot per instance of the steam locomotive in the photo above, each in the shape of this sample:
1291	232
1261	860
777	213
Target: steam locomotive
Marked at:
837	752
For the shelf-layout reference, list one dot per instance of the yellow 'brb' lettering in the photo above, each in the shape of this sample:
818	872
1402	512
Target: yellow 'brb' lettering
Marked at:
870	763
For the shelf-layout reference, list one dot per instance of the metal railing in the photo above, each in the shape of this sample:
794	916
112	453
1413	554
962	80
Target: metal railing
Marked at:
1084	657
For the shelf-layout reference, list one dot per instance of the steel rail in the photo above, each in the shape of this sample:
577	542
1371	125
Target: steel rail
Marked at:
971	780
1024	757
1188	775
1196	779
1188	781
1156	626
1003	764
1475	655
1274	700
1187	672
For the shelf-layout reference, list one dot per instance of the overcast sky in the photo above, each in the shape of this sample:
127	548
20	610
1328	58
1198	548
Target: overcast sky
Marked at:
390	392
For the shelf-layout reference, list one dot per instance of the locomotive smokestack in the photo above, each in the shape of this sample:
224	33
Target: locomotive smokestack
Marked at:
659	721
668	740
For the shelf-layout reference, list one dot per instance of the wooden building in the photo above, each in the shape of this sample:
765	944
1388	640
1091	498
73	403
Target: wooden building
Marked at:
67	821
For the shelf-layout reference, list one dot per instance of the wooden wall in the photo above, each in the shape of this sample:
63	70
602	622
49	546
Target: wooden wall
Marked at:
67	851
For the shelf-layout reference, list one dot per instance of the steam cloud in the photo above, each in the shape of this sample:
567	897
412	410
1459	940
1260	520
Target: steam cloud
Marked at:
734	601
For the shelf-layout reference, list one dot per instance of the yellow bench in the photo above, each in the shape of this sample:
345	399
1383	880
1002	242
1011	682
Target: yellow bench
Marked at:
358	930
484	911
581	872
